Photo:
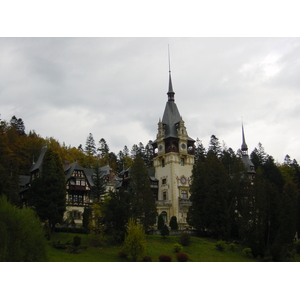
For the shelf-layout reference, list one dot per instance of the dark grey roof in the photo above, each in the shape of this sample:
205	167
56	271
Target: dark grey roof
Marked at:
38	164
24	180
244	145
170	118
70	169
248	163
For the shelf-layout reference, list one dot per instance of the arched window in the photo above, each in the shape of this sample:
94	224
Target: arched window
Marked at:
164	215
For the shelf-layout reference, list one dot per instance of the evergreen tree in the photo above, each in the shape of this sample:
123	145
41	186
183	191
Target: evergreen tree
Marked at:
200	152
165	231
214	146
47	193
160	222
98	188
90	146
209	197
143	206
103	148
173	223
116	209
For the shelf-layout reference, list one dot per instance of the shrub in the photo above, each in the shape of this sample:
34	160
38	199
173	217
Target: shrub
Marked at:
21	236
76	241
123	254
297	246
184	239
177	248
247	252
165	231
165	258
135	241
97	240
232	247
147	258
72	249
182	257
221	245
59	245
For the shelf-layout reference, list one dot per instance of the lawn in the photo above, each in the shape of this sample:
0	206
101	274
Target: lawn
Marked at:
199	250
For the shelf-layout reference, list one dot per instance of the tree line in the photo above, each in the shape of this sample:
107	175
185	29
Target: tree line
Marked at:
262	212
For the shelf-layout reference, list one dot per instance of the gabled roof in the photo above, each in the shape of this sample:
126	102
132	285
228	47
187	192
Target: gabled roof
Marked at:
38	164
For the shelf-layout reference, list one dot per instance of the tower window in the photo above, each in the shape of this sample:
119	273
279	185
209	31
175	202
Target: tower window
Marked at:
182	161
163	163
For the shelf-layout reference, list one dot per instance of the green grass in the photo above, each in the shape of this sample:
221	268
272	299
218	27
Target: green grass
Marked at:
199	250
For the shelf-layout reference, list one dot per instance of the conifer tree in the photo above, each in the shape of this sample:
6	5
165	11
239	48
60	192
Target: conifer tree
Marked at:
90	146
143	206
47	193
209	197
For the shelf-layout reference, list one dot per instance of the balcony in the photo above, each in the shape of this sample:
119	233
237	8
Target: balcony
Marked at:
184	201
163	202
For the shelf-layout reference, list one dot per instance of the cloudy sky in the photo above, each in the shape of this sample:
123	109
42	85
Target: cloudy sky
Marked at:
115	88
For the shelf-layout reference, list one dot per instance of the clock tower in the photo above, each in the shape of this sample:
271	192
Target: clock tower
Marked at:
173	162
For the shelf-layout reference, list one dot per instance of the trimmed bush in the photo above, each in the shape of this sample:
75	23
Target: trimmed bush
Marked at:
182	257
221	245
123	254
173	223
177	248
165	258
147	258
247	252
165	231
184	239
77	241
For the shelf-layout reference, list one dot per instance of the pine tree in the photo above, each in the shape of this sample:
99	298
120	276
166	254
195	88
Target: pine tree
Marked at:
47	193
143	205
116	208
209	197
90	146
99	188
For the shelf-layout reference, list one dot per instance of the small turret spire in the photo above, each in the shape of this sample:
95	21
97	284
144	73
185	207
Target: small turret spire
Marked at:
170	92
244	147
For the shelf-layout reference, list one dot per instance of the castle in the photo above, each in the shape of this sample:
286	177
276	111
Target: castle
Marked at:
170	177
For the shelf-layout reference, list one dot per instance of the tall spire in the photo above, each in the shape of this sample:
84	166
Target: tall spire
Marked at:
244	147
170	92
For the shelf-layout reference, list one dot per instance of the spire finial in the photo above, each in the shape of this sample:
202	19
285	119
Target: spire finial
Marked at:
170	92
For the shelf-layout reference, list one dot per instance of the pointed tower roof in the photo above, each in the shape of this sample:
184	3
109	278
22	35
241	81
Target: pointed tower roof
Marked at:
170	92
244	145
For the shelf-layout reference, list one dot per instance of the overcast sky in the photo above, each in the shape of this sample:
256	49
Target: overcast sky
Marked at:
115	88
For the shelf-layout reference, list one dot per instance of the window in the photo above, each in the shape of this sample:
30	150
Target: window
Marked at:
164	215
184	194
164	195
182	161
163	163
164	181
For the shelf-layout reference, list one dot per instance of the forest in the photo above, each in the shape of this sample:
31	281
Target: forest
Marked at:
226	203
